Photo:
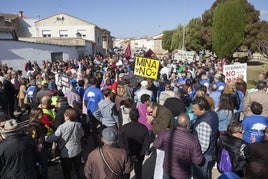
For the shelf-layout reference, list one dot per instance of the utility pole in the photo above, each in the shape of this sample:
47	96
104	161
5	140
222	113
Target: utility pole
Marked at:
183	31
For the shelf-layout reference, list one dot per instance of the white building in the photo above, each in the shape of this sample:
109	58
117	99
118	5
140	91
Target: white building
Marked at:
145	43
59	37
62	26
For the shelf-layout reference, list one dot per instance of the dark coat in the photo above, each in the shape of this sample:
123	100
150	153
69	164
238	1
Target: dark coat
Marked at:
134	137
235	147
59	119
18	157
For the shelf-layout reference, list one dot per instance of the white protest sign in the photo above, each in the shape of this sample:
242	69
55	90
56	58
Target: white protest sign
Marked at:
232	71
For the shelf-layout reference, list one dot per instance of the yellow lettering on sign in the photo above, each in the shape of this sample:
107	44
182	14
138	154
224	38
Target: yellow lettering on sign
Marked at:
146	67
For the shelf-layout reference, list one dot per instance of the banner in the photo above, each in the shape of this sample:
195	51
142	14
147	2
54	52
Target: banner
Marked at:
146	67
182	55
232	71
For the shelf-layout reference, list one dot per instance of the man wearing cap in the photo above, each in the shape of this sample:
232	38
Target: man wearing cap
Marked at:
108	161
17	153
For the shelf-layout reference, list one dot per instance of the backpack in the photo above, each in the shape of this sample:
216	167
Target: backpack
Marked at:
225	164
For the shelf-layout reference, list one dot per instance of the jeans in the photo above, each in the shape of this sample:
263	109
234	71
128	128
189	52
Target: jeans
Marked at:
204	172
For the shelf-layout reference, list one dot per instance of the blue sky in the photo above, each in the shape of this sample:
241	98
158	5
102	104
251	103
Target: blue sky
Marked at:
123	18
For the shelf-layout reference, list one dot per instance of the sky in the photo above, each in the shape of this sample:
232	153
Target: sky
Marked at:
123	18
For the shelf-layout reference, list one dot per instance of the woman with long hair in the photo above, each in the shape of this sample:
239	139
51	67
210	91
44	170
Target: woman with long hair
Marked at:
225	112
38	132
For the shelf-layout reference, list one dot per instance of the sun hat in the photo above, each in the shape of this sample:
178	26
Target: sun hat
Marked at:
10	126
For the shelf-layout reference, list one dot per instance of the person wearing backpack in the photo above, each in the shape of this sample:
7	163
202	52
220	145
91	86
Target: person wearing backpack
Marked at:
232	142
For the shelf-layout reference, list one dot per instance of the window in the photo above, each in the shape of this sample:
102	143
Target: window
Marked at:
63	33
82	32
104	38
46	33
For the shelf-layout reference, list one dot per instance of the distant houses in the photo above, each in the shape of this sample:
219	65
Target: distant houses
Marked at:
59	37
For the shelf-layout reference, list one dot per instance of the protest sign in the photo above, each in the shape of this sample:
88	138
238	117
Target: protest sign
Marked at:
232	71
146	67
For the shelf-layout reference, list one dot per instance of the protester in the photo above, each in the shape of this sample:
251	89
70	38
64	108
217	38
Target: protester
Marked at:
38	132
143	90
9	92
134	137
68	136
17	152
205	128
106	111
44	91
48	113
259	96
92	96
258	150
225	112
145	100
254	125
161	118
123	114
232	141
182	149
108	161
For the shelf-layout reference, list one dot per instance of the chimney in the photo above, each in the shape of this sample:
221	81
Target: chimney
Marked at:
21	14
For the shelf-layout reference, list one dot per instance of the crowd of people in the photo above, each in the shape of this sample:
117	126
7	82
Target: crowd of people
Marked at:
189	116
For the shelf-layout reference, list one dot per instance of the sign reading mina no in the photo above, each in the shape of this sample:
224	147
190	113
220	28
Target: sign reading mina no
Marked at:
146	67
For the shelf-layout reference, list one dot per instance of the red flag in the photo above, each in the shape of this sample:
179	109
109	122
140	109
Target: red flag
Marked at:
150	54
128	52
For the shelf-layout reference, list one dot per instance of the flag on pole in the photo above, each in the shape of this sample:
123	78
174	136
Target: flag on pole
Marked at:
128	52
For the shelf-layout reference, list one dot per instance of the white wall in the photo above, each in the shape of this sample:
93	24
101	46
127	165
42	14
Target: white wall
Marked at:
16	53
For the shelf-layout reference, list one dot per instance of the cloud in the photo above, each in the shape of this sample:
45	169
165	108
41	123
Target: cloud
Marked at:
263	12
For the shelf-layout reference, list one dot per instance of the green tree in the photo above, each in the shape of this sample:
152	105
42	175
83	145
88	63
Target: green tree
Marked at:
228	27
177	37
206	27
262	43
166	40
193	35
